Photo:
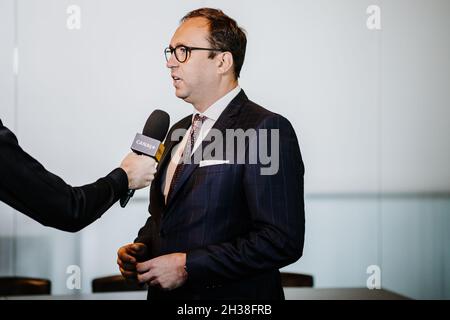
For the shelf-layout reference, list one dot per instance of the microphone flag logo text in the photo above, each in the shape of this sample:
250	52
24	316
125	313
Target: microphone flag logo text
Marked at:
145	145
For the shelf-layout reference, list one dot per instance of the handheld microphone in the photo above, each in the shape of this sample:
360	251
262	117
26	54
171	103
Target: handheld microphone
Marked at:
149	143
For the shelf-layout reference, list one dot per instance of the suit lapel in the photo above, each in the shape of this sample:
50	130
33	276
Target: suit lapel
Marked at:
225	121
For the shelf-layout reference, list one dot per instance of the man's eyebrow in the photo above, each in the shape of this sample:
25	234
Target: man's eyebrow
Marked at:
177	44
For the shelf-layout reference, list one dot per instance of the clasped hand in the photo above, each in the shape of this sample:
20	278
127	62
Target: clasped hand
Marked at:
166	272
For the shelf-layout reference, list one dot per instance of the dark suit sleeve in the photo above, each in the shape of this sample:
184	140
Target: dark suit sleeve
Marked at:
29	188
145	233
276	205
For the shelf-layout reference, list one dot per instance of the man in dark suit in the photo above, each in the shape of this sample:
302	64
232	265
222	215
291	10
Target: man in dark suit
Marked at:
29	188
219	229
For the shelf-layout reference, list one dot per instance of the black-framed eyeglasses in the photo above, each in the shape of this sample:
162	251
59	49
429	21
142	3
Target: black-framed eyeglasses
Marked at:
182	52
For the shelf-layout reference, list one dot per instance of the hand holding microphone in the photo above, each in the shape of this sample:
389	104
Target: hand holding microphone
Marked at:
147	148
140	170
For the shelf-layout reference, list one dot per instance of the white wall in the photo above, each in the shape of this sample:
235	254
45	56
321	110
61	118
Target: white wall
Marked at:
370	109
415	96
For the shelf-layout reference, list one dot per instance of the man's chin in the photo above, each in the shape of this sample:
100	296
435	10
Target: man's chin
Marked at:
181	95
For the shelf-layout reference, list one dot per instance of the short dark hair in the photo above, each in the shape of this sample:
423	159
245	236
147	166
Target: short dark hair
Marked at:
225	34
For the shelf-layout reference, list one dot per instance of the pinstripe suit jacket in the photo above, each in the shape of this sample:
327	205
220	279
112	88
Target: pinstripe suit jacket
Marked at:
237	227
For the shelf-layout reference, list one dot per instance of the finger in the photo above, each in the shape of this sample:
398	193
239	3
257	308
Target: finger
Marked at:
126	258
120	262
143	267
128	274
138	247
141	253
127	266
146	277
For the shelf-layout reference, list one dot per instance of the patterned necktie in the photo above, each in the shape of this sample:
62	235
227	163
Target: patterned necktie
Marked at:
193	134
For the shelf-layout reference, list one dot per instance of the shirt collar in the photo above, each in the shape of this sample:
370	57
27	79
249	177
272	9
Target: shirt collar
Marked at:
216	109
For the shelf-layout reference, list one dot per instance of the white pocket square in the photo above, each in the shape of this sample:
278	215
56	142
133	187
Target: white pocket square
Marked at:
205	163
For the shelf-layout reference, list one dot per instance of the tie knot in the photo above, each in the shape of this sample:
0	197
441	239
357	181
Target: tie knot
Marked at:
198	118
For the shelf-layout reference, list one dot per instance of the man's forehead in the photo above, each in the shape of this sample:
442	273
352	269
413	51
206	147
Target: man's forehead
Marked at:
194	31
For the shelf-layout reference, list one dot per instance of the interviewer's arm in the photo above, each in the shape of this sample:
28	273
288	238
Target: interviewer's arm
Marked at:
29	188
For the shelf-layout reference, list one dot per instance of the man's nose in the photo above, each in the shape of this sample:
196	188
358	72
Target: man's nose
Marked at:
172	62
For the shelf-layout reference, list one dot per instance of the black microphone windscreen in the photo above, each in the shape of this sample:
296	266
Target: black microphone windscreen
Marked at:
157	125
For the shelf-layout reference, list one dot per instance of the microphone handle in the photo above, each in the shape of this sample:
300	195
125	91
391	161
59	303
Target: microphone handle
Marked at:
124	199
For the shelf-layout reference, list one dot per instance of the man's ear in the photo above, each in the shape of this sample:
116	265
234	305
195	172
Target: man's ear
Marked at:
224	62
